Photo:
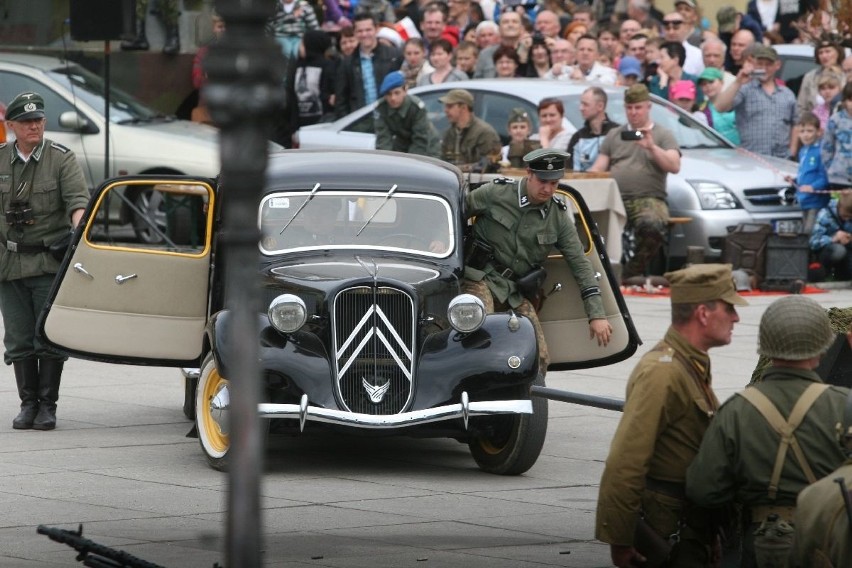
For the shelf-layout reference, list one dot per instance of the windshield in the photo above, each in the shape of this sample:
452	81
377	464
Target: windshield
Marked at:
689	133
420	224
89	88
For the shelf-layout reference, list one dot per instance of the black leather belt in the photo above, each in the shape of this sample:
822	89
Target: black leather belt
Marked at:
670	488
21	248
503	270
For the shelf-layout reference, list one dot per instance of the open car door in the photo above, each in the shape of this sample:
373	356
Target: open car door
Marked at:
124	299
563	318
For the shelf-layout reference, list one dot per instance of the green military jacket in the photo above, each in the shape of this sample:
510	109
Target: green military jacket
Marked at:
471	144
522	235
406	129
668	407
54	188
739	449
822	525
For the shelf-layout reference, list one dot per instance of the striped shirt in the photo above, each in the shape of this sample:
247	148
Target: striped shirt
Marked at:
765	120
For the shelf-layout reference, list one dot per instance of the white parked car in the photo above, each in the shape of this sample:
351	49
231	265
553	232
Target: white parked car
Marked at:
719	185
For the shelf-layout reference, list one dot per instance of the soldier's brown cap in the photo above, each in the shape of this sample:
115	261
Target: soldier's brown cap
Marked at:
457	96
25	106
704	283
636	94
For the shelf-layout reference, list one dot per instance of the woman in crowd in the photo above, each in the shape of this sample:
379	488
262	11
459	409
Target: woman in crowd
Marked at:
539	61
441	58
506	62
552	132
415	65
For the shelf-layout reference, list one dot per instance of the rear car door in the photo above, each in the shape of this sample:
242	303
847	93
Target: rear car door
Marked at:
122	300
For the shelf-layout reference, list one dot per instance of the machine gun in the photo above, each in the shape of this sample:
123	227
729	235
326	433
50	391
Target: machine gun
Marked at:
93	554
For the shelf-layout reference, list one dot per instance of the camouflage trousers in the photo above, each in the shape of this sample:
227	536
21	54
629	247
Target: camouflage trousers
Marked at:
166	10
648	218
480	290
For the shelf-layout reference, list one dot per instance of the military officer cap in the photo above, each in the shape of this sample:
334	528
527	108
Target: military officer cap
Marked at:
547	163
457	96
704	283
25	106
636	94
392	80
794	328
519	115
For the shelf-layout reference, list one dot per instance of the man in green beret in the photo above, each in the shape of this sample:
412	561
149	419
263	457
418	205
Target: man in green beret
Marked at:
42	194
401	121
518	223
469	141
669	405
640	155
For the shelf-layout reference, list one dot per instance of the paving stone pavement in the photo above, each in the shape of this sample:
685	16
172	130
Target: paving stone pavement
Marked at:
120	464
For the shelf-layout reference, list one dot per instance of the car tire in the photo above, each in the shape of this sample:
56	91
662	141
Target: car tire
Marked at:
215	440
512	443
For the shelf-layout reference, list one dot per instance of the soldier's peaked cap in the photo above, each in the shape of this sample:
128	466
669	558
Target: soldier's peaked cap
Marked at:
547	163
704	283
25	106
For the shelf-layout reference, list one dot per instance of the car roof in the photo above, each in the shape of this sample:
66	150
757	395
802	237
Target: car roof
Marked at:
528	88
42	62
370	170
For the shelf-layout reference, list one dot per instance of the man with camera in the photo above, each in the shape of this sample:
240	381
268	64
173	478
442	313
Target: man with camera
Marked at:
640	155
43	194
518	223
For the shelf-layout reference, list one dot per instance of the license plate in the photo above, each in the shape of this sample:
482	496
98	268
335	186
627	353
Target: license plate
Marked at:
793	226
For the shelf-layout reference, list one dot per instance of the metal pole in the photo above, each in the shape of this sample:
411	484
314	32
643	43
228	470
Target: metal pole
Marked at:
578	398
106	109
245	89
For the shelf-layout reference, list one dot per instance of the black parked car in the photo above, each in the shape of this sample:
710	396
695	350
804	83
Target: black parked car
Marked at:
366	329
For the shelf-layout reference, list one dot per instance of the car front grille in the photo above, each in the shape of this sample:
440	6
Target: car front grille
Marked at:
374	348
768	196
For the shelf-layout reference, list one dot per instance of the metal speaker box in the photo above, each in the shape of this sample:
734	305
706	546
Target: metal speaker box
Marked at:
102	20
786	260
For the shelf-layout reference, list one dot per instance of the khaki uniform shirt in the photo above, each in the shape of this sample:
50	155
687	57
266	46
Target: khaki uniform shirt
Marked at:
406	129
54	187
738	452
522	235
822	525
669	405
632	167
469	145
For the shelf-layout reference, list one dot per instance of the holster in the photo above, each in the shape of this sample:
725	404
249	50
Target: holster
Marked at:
651	545
477	253
531	283
59	247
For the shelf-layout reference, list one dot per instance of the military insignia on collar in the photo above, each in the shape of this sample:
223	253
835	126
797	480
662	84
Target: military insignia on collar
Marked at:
524	201
60	147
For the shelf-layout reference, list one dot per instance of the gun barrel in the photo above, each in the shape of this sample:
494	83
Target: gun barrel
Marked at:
578	398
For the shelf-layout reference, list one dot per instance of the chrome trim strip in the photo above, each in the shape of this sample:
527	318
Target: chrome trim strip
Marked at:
379	421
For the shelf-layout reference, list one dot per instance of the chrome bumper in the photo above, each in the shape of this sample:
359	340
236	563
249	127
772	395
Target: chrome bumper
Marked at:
464	410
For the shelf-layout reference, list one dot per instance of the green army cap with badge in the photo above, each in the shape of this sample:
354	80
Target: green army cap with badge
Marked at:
546	163
519	115
704	283
26	106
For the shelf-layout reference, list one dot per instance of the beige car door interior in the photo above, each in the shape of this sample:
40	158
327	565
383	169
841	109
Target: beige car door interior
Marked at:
563	319
137	284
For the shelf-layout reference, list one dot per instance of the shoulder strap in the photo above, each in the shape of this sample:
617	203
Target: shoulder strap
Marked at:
786	428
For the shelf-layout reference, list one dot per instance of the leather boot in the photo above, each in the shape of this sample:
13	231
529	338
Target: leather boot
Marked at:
50	371
26	375
172	44
140	42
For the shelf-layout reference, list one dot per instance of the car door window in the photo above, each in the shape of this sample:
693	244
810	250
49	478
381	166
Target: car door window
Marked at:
13	84
435	110
363	124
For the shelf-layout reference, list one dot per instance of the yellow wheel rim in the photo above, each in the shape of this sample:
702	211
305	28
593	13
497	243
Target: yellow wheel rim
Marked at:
218	441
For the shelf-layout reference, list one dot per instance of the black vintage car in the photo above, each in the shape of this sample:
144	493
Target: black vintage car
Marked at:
366	329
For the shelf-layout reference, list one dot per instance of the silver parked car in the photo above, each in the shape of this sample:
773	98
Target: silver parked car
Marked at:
142	141
719	185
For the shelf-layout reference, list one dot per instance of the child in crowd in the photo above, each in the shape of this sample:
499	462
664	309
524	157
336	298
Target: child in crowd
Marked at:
629	71
836	144
291	20
711	82
465	54
811	176
415	65
520	128
682	94
831	238
652	57
828	87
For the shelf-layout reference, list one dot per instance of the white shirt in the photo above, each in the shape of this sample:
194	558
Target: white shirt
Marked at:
597	74
694	63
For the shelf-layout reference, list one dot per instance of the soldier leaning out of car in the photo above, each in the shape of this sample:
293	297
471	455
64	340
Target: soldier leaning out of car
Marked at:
508	257
43	195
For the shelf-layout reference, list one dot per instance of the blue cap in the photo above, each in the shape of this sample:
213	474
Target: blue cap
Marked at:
392	80
629	65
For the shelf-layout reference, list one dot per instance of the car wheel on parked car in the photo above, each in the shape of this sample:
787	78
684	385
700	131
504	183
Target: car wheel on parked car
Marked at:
511	444
211	414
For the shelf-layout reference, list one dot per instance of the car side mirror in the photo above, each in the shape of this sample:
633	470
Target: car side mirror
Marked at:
70	120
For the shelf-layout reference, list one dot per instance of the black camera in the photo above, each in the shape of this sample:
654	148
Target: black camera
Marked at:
537	37
631	135
20	213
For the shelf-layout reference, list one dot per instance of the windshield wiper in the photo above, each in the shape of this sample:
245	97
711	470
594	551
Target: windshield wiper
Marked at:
379	208
302	206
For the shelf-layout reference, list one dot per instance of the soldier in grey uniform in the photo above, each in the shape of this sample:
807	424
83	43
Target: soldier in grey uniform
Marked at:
401	121
42	194
519	223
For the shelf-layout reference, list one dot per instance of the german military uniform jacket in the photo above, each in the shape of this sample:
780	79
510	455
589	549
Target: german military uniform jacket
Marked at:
668	407
522	235
406	129
738	453
822	525
53	187
469	145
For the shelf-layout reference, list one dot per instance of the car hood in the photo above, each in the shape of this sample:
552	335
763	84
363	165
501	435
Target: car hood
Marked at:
735	168
168	142
328	271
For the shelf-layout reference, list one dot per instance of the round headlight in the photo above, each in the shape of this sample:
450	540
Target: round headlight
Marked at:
287	313
466	313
